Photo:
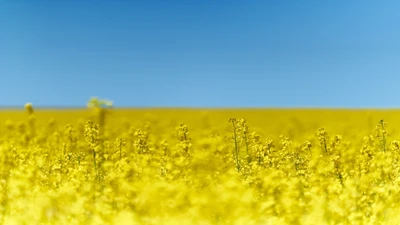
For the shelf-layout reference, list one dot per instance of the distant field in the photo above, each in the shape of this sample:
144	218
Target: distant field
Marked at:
199	166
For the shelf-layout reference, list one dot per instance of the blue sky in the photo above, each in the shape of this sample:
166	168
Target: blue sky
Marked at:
200	53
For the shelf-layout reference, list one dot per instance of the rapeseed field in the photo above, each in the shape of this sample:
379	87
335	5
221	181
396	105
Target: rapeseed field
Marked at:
199	166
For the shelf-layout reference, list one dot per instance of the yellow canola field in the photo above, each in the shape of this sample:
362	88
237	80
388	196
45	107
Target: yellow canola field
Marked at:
199	166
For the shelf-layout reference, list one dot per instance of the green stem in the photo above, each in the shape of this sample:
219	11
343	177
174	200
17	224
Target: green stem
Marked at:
236	145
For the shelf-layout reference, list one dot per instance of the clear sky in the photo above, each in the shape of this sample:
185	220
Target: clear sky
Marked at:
201	53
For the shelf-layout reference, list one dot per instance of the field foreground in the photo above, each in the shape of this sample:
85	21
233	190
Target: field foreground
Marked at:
199	166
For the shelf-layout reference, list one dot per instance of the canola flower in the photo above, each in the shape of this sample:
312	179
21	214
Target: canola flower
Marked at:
113	166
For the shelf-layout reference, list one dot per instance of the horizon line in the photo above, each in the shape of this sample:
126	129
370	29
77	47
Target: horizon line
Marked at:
208	107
